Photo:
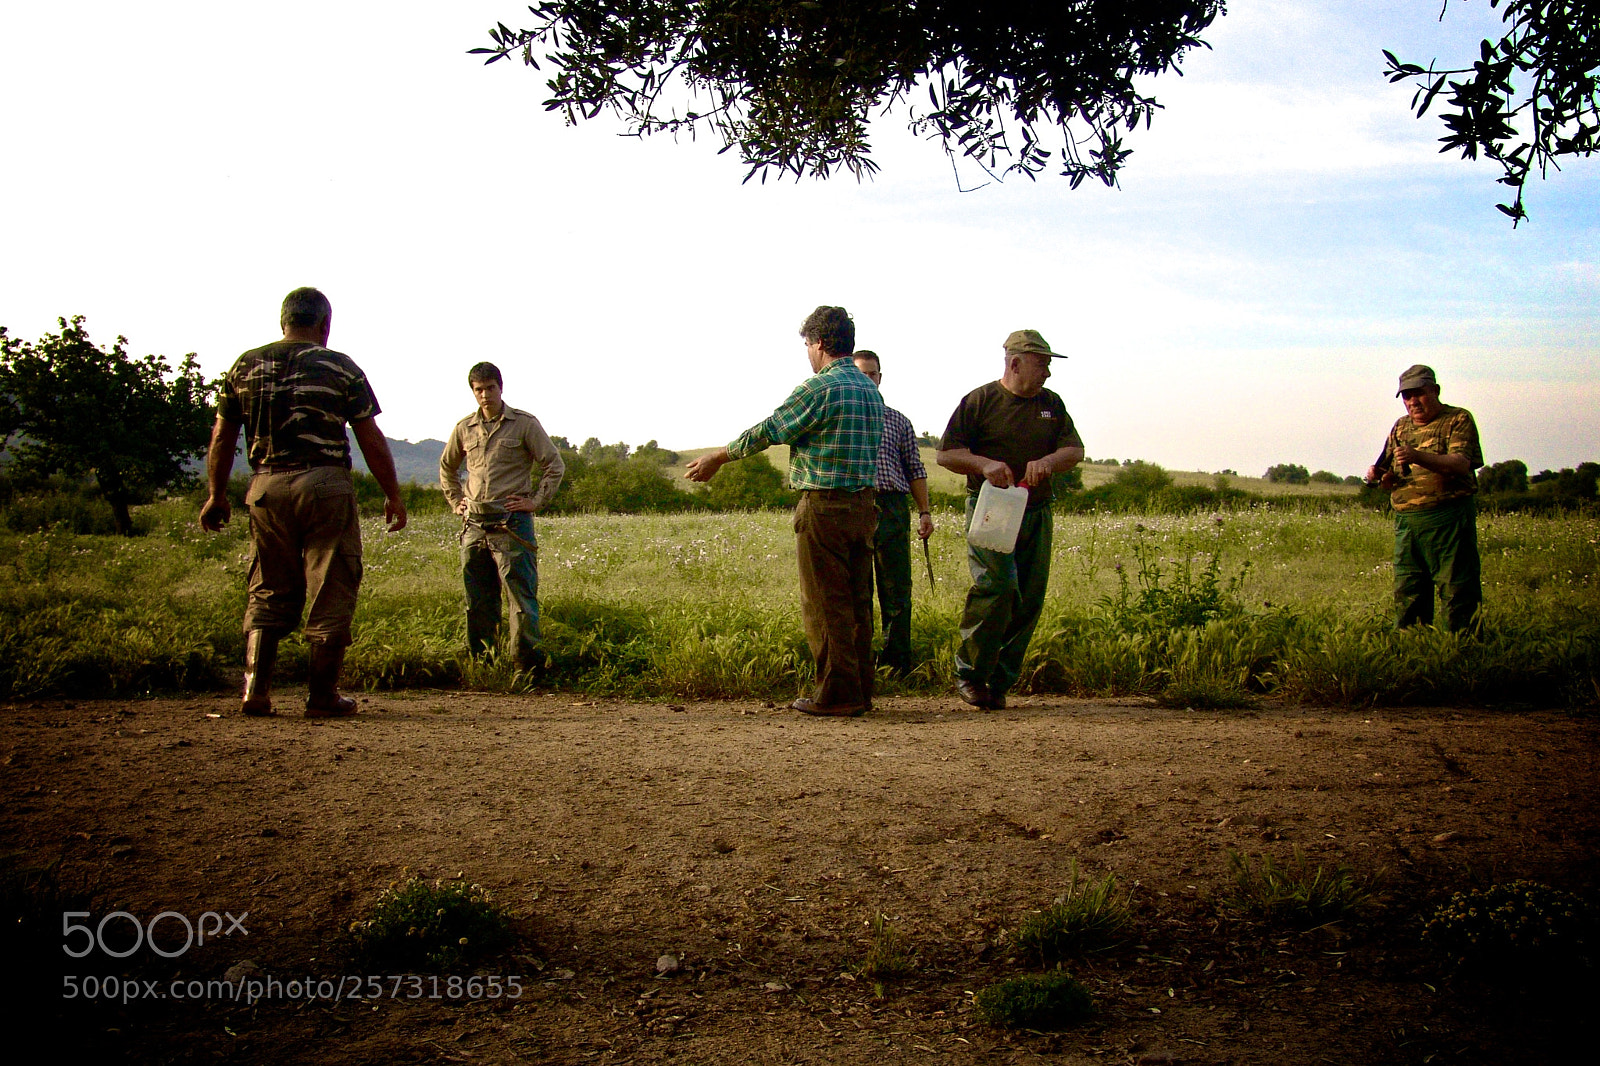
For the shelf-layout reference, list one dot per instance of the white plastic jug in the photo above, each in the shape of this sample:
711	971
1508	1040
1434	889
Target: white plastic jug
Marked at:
997	519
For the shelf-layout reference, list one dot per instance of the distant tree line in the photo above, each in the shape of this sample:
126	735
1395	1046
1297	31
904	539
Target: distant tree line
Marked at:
619	479
1507	486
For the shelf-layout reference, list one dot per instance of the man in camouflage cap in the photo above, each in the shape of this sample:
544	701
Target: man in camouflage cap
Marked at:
293	398
1427	465
1013	431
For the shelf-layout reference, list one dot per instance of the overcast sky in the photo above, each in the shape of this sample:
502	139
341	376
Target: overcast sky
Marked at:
1286	239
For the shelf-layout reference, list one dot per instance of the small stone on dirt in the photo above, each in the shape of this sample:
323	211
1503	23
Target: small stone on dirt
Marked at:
241	970
668	964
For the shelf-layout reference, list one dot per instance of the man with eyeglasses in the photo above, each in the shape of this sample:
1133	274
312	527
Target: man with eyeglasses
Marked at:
1427	465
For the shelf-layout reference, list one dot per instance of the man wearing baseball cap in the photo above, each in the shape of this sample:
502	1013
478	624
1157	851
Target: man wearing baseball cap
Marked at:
1427	465
1013	431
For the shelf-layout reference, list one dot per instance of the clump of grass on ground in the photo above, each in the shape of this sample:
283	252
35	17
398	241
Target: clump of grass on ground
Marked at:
434	925
32	901
1089	916
1296	894
889	958
1045	1001
1517	929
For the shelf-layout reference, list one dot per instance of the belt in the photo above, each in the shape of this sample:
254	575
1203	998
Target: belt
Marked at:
840	492
290	468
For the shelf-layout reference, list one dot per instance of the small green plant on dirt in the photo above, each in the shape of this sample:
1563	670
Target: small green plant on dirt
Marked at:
1296	894
889	958
32	901
1517	927
438	925
1044	1001
1205	694
1089	916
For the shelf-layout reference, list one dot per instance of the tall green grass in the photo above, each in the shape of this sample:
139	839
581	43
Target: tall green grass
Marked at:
1199	610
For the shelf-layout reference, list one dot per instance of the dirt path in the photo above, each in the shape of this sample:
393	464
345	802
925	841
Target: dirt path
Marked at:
754	845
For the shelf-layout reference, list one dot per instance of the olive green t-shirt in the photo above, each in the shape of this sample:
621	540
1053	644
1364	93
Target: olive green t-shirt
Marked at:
996	423
1452	432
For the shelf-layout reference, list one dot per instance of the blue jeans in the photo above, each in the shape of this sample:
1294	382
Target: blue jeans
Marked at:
489	560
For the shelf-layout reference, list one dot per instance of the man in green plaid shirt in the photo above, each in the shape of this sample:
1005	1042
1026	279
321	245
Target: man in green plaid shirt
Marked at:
832	424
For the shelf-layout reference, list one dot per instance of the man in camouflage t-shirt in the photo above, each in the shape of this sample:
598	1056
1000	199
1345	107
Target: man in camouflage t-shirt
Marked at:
1427	465
293	398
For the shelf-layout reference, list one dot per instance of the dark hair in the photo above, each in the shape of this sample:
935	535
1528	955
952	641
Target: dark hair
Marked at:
865	354
485	372
304	306
833	328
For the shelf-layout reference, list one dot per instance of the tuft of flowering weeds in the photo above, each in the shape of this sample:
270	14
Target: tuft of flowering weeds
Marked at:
1517	924
421	924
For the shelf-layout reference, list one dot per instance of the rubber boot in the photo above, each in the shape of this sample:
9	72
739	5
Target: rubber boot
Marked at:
260	655
324	700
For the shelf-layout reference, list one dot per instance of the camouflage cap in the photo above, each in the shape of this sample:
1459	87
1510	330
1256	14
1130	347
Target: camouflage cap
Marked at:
1416	377
1029	340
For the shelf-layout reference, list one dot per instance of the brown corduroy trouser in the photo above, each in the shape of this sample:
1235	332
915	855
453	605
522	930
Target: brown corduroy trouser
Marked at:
834	531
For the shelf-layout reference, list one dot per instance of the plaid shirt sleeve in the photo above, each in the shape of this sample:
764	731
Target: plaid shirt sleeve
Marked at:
832	422
899	462
783	426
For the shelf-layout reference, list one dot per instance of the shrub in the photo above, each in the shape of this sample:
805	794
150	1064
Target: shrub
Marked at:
1296	895
1508	476
1142	477
1520	926
1088	916
419	499
1326	477
1047	1001
751	484
71	512
627	486
1288	474
1171	596
422	925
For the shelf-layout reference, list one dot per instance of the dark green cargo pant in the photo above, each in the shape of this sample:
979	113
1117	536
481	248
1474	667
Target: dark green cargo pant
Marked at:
1004	602
1438	545
891	563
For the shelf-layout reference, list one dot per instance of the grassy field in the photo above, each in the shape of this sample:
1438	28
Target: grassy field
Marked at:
1094	474
1198	610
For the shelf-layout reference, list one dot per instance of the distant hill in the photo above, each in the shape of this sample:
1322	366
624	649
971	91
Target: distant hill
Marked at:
417	463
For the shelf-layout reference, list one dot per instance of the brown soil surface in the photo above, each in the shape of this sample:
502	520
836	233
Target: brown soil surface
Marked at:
754	845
